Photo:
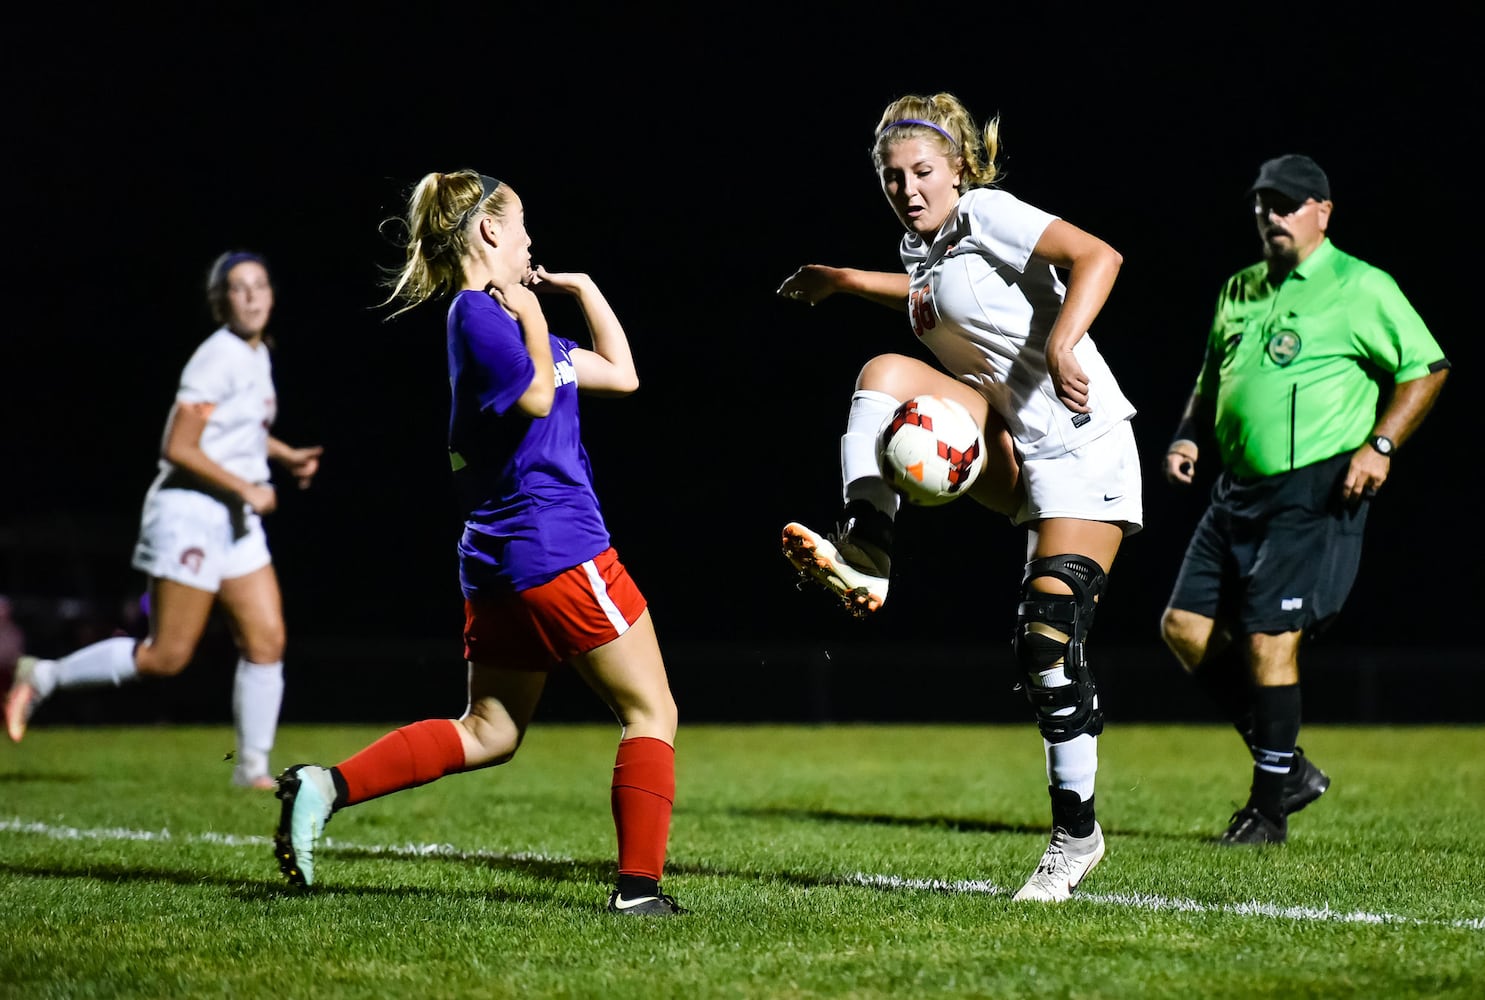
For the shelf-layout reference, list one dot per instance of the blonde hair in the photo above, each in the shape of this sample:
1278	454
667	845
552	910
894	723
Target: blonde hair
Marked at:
440	211
943	119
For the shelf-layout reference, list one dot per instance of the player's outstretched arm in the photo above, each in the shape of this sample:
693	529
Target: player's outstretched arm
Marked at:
814	283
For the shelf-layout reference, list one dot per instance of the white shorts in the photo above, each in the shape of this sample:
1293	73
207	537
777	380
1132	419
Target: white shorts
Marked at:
190	538
1098	482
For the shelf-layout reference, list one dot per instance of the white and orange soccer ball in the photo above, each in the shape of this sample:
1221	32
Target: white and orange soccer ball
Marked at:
930	450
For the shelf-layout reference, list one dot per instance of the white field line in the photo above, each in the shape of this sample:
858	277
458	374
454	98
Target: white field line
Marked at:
1141	901
1144	901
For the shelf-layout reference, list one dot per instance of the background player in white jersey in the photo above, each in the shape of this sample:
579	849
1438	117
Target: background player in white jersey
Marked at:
983	293
201	539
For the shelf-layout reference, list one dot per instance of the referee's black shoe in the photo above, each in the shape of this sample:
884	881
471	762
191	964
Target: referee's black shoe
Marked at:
1303	784
1250	826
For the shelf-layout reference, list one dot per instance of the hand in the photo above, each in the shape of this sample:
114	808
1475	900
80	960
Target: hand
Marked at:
518	298
1068	380
1366	474
812	283
1180	468
261	498
540	280
303	463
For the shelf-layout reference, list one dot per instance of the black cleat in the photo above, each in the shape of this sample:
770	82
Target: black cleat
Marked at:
1303	784
868	530
1249	826
656	904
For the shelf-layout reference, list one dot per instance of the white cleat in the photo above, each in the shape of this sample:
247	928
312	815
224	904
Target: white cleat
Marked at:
1067	861
22	698
817	559
251	771
255	782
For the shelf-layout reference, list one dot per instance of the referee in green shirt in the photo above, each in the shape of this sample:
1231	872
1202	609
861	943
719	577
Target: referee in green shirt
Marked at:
1299	351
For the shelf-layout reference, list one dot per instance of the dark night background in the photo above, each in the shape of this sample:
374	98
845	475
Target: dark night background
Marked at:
690	159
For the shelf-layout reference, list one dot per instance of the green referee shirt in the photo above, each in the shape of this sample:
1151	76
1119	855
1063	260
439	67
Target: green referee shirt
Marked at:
1296	370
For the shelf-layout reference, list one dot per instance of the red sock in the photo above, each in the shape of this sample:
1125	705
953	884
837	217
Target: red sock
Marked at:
643	792
404	758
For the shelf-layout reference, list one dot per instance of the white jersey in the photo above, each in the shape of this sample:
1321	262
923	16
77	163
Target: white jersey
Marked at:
984	309
236	378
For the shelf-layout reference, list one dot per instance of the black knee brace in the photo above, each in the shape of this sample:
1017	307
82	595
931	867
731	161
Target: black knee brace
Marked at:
1051	630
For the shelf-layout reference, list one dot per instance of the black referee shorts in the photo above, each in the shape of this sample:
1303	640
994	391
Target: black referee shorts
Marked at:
1277	554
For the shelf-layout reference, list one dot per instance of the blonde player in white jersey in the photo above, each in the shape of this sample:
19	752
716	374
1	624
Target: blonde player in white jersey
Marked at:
983	293
201	536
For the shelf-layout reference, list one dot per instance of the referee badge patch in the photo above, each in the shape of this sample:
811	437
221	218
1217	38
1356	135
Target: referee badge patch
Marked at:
1283	347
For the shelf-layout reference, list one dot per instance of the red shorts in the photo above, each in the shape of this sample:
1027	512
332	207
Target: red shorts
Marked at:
537	629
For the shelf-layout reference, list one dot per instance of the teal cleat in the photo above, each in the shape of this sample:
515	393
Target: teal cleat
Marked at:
308	794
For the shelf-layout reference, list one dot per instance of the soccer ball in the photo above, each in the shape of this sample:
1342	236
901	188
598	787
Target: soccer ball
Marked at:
930	450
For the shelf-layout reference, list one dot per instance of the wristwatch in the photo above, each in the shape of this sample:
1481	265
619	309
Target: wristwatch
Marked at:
1382	444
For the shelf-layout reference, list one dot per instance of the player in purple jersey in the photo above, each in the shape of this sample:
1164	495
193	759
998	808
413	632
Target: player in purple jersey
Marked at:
201	539
542	584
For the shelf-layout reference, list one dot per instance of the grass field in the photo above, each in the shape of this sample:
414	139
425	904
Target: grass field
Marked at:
844	861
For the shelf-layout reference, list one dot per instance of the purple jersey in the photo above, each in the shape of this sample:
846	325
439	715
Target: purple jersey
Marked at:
525	484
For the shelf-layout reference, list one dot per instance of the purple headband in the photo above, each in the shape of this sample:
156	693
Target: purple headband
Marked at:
918	121
227	262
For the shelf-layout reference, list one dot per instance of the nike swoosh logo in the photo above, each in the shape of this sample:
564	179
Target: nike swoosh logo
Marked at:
1111	499
624	904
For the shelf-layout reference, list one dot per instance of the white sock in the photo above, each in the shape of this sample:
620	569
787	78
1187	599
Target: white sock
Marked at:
861	476
110	661
1074	763
257	694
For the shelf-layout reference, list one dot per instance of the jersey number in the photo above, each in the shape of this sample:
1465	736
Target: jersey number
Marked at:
920	311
